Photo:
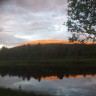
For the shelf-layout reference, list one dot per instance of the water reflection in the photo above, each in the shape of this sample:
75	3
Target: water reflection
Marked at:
73	86
45	71
71	76
55	81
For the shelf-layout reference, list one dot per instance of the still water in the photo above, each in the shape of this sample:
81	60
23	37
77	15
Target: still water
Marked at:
77	85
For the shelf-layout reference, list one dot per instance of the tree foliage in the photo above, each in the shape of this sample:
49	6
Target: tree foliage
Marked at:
82	20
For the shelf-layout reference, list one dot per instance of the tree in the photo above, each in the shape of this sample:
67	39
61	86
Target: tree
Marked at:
4	48
82	20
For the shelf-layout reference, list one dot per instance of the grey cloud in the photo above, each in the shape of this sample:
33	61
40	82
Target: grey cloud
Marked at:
1	29
3	1
23	20
39	5
10	40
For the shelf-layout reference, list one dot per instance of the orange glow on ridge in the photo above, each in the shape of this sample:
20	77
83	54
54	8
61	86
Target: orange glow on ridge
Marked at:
53	42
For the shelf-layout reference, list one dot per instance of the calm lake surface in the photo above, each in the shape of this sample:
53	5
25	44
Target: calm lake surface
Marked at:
72	86
57	81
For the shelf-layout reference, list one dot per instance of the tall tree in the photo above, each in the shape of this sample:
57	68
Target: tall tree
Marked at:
82	20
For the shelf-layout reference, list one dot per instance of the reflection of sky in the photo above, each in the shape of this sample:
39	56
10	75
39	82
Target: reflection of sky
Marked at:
85	86
22	20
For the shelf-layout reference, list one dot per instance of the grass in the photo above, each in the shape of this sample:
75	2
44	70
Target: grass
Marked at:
9	92
51	62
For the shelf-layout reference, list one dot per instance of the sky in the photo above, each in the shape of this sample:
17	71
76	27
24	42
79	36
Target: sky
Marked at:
26	20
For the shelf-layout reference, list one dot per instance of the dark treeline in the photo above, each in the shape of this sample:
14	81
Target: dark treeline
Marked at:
48	51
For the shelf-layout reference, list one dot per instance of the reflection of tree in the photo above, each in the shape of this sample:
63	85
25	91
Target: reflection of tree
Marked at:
38	73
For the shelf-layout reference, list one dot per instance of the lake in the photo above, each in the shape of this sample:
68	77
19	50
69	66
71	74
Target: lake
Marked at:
48	80
72	86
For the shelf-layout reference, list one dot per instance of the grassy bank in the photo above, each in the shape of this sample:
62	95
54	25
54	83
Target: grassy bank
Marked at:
51	62
9	92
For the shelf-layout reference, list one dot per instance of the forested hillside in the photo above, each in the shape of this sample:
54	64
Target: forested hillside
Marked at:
48	51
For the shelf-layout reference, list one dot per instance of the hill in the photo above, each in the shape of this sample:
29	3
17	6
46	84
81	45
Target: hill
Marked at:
51	42
53	52
47	42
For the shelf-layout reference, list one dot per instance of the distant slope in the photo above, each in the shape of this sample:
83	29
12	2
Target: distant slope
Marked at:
47	42
49	52
52	42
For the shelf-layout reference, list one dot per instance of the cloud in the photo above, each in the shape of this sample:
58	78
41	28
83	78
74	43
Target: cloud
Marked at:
24	20
3	1
9	40
37	5
1	29
42	5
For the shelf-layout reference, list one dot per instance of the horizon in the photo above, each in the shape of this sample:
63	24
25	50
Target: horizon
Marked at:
48	41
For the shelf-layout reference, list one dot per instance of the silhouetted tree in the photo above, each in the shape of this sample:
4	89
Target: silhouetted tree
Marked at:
82	20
